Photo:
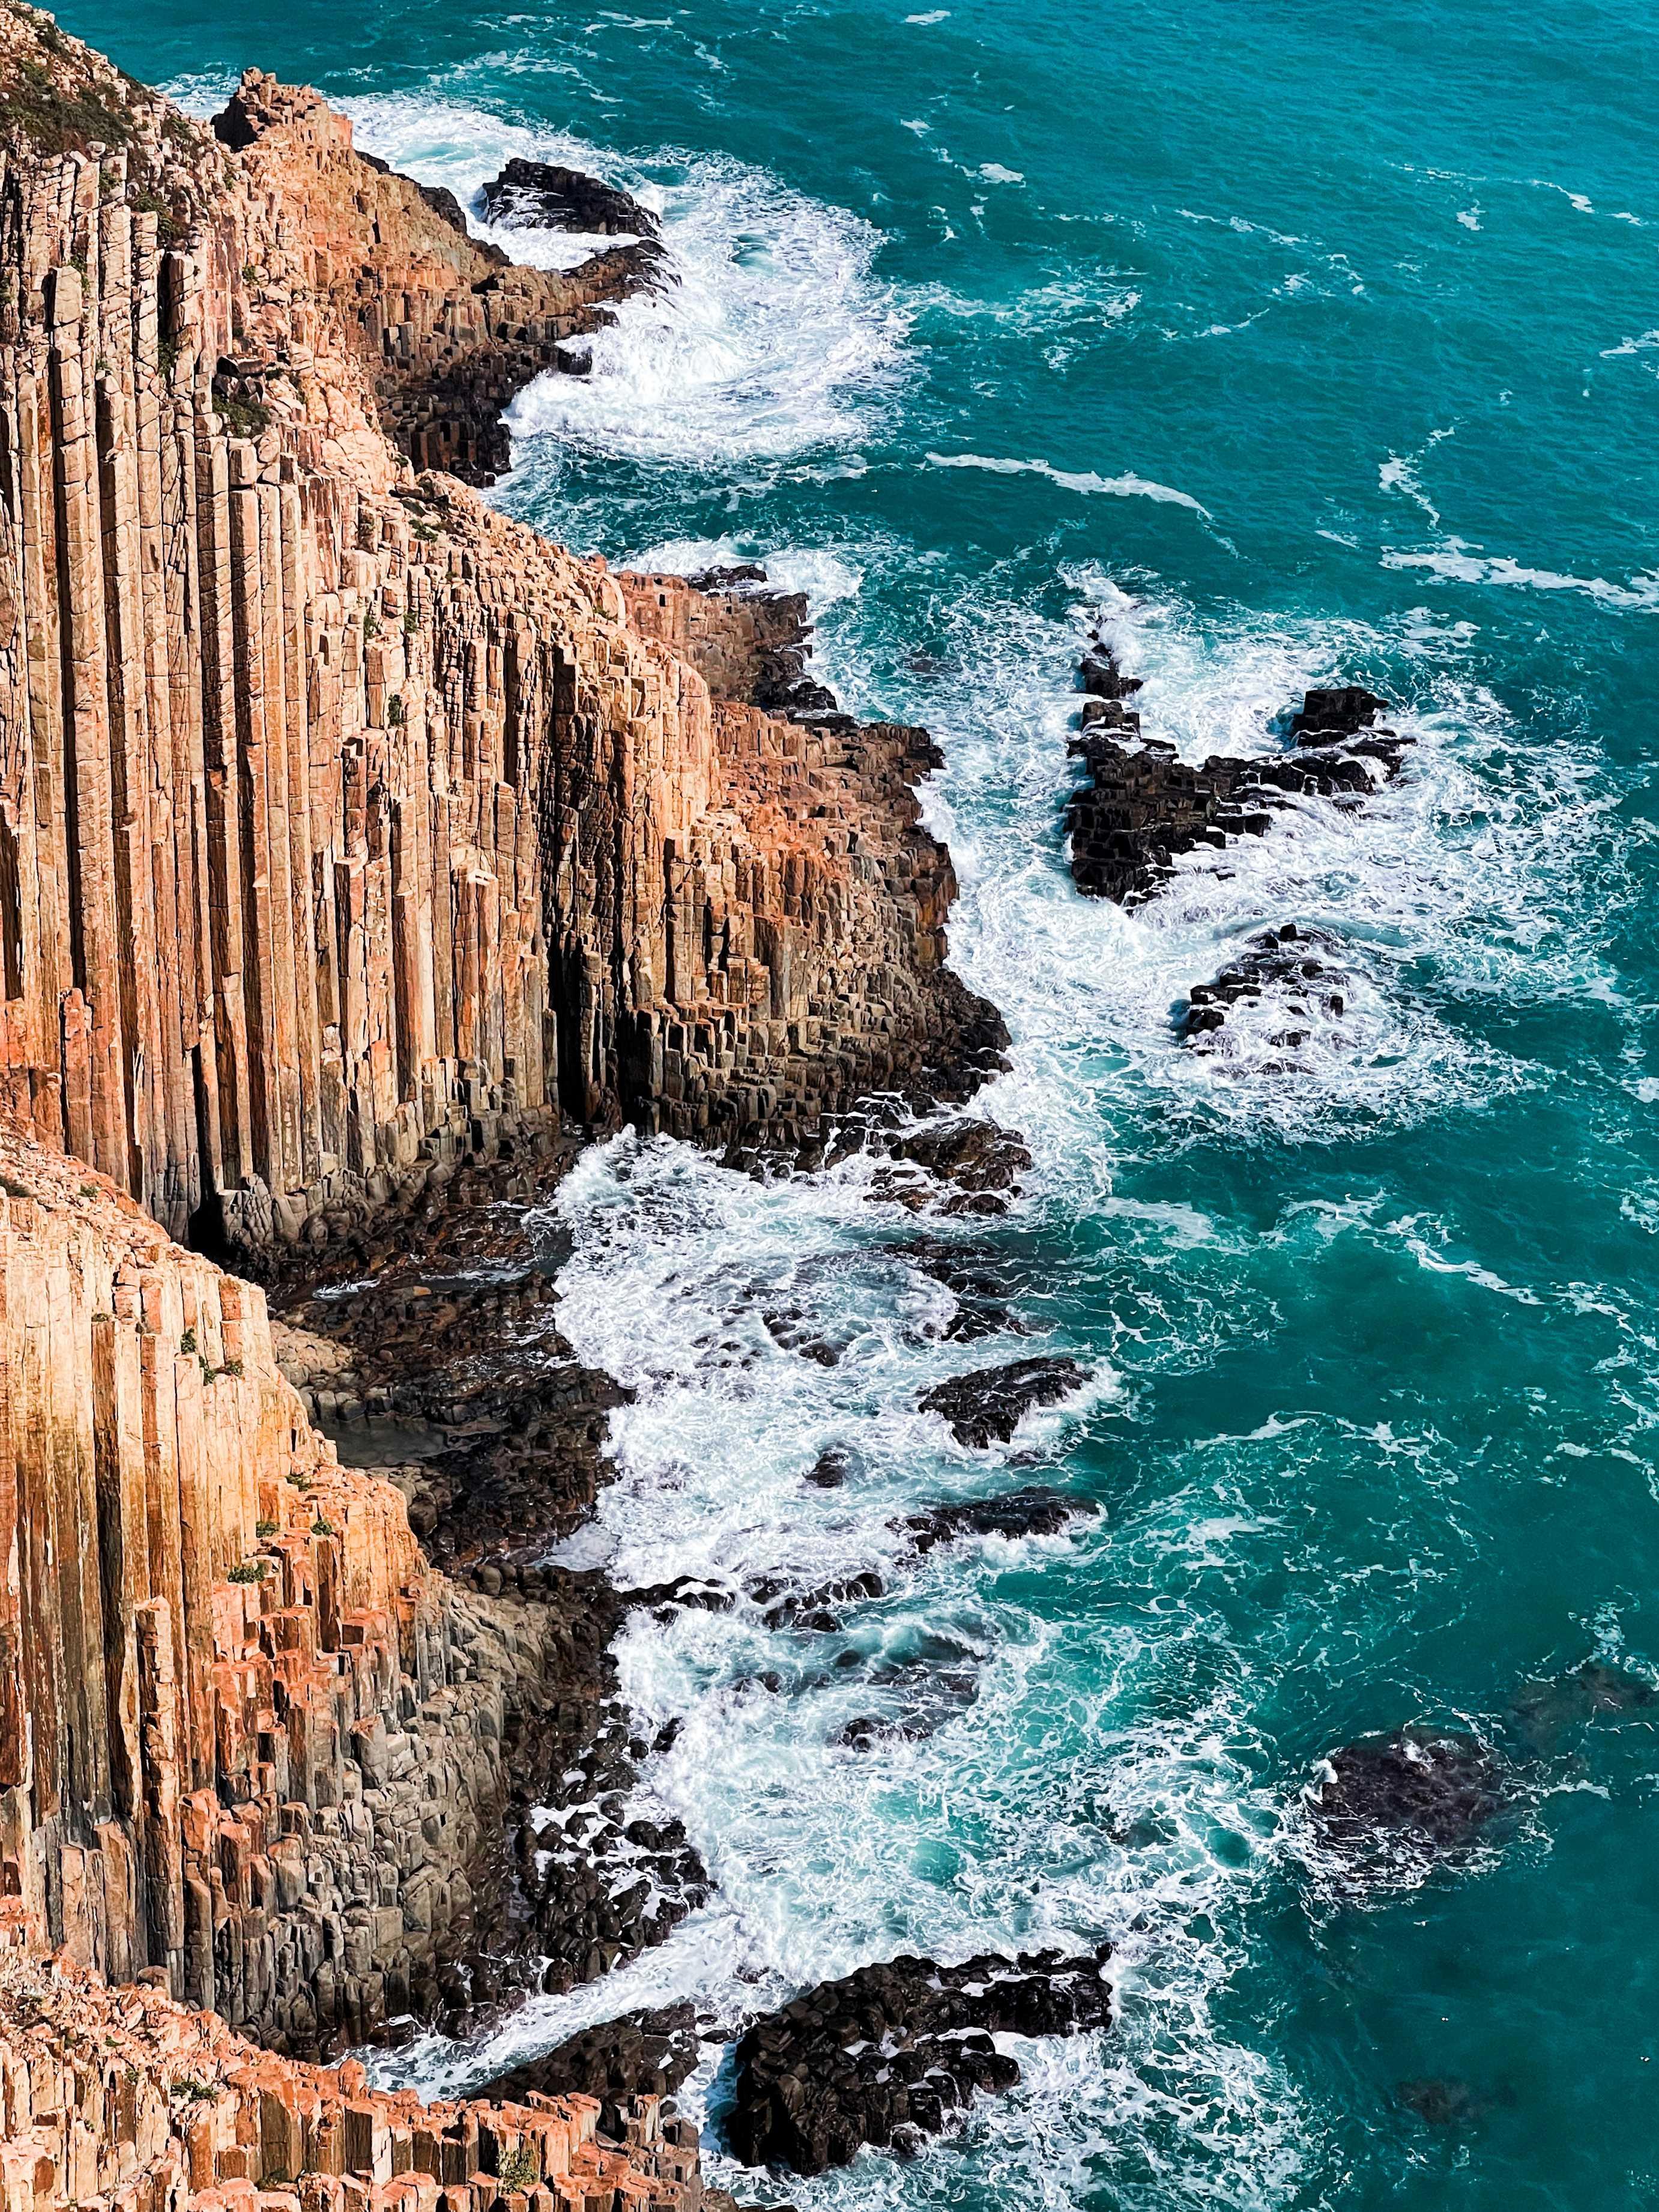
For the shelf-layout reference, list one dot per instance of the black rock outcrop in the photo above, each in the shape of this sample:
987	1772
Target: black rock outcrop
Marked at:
643	2053
546	196
988	1405
1142	805
1284	963
884	2055
1035	1511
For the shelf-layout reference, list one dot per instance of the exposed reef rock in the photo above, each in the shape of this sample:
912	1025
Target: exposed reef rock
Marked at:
351	829
1387	1808
986	1406
1034	1511
977	1163
1143	805
886	2055
545	196
1283	967
649	2053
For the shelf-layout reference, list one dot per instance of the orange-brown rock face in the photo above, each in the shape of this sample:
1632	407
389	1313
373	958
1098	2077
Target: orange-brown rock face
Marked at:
345	826
249	1743
120	2097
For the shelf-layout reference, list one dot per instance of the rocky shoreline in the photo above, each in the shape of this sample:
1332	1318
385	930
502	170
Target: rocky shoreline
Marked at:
366	857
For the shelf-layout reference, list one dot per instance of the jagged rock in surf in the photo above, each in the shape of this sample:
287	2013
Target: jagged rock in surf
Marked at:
546	196
811	1608
988	1405
1385	1809
1143	805
643	2053
966	1272
1036	1510
1100	678
979	1163
885	2055
1281	963
1326	717
831	1467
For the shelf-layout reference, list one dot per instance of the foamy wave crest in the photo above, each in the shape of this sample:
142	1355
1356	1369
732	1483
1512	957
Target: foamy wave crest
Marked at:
771	342
1458	563
773	332
1127	486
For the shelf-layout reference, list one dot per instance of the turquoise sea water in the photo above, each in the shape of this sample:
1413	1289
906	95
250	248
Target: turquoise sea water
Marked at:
1294	344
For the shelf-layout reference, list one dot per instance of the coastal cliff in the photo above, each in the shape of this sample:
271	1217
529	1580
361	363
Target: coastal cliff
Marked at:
346	828
357	846
253	1756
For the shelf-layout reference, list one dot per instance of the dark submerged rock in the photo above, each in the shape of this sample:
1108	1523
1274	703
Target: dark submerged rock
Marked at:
1388	1807
1546	1712
546	196
1439	2101
987	1406
886	2055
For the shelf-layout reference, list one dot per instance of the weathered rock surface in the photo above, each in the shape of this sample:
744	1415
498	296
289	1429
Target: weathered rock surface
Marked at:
746	641
355	830
886	2055
978	1163
249	1739
1143	805
967	1273
121	2098
1385	1807
987	1406
546	196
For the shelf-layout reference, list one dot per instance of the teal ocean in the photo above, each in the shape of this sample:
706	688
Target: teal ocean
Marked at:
1292	344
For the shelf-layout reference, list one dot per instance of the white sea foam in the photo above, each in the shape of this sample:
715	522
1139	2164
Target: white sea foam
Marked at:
772	340
1025	1805
448	143
1460	563
1127	486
